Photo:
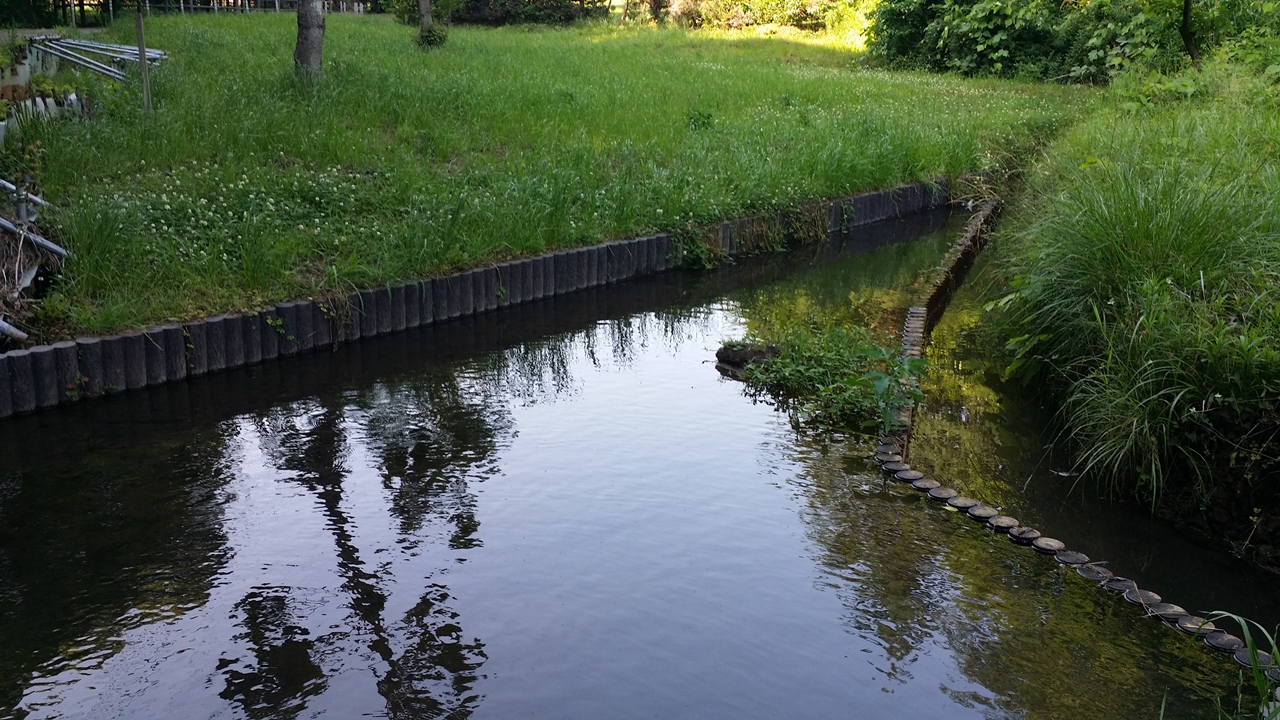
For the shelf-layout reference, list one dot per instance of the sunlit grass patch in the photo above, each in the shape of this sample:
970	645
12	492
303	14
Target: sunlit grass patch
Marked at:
245	188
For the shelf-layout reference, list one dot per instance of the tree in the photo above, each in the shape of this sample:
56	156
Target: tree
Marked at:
429	34
1188	38
308	53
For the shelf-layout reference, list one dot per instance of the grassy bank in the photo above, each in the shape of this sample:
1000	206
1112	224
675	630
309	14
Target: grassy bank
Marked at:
1145	264
245	188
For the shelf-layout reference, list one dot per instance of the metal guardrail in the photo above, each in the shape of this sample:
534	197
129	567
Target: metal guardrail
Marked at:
77	52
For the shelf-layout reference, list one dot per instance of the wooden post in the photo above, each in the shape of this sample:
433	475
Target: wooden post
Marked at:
143	66
625	6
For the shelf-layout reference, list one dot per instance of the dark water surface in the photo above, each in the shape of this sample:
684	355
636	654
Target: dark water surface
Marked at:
556	511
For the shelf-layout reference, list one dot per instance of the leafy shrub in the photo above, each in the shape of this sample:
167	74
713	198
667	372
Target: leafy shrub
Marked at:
406	11
737	14
1084	41
501	12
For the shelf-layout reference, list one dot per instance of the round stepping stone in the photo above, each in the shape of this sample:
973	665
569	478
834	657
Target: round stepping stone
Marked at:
1193	625
925	485
1003	523
909	476
895	466
1167	611
1094	572
1024	535
1224	641
960	502
1048	545
1120	584
1265	661
1141	597
888	457
1071	557
887	449
942	493
982	513
1274	674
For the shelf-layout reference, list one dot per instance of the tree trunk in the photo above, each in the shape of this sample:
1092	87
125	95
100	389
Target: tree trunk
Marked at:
1189	39
424	17
307	58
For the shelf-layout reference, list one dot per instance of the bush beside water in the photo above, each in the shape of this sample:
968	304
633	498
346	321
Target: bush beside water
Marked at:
1144	266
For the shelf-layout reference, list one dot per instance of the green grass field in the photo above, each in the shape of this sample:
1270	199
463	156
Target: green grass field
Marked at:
246	188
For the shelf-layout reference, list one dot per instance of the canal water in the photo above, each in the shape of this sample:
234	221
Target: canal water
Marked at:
563	511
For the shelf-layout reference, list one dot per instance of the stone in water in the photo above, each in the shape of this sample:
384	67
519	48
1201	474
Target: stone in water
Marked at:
1119	584
942	493
982	512
962	503
1003	523
1024	535
1071	557
1094	572
924	485
1167	611
908	475
1048	545
1224	641
1193	625
1141	597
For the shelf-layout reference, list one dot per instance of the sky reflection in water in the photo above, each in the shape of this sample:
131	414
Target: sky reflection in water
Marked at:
560	511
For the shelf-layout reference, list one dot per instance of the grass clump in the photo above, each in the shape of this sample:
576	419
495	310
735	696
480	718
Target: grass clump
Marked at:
825	366
1145	267
246	187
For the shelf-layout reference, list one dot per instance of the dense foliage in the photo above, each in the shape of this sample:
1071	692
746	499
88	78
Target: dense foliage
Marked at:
1147	268
501	12
1080	40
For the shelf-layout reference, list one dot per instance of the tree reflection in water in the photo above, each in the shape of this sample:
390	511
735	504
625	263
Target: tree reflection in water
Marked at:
431	436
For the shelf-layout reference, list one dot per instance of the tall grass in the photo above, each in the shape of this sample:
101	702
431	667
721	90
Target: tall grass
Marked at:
245	187
1146	263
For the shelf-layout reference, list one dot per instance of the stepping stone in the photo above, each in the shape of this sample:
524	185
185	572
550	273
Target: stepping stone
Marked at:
1193	625
942	493
1265	661
1003	523
909	475
888	457
1167	611
925	485
982	513
887	449
896	466
1120	584
1141	597
1071	557
1274	674
1024	535
962	503
1224	641
1048	545
1094	572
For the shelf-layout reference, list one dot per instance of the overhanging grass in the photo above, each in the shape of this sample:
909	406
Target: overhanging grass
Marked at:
245	187
1146	262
